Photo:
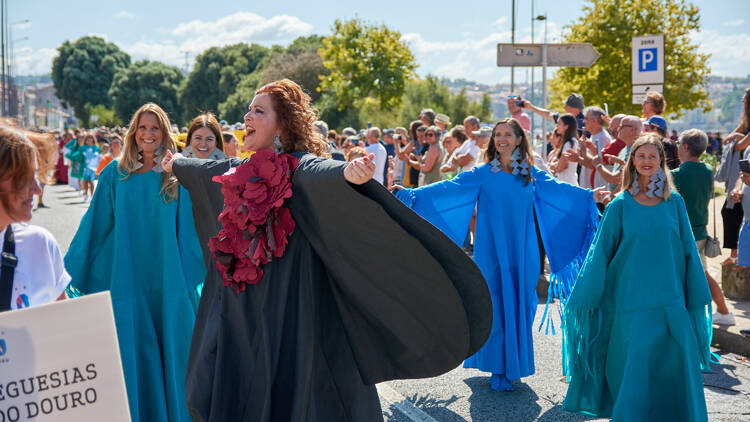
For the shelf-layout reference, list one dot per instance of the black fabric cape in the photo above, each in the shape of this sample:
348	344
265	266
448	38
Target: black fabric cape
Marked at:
366	291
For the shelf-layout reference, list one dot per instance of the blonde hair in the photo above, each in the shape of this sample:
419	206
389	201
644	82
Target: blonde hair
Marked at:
629	172
128	162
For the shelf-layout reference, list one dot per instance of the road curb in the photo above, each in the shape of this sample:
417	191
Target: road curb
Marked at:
731	342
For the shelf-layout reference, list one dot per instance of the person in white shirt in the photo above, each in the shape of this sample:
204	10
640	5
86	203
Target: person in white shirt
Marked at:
465	157
32	266
375	148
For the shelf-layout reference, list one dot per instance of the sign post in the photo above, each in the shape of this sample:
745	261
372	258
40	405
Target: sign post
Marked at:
562	55
61	362
647	65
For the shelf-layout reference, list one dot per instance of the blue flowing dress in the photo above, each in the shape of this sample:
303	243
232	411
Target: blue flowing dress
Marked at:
638	322
146	253
506	248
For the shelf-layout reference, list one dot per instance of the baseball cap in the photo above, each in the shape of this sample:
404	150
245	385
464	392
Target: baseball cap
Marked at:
657	121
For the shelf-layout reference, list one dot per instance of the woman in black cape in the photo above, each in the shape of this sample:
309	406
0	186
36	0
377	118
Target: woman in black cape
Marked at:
361	291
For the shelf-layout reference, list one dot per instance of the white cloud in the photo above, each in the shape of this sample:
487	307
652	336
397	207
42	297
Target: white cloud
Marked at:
737	22
730	54
124	15
243	27
471	58
34	62
22	25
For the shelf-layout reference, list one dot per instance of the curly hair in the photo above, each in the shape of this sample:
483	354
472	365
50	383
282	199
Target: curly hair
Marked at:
296	117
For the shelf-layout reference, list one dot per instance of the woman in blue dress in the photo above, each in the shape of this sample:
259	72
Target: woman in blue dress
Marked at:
508	193
638	322
138	241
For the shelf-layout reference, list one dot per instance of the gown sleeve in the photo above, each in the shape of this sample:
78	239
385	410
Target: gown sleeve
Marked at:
90	256
567	217
412	303
588	319
448	205
697	294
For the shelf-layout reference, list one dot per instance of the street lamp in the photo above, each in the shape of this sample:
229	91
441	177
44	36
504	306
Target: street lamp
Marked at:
544	80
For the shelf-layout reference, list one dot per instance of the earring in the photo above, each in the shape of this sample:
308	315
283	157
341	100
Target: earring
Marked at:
635	183
519	163
495	163
277	147
656	184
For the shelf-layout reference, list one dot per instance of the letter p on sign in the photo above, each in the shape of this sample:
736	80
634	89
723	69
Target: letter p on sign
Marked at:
647	59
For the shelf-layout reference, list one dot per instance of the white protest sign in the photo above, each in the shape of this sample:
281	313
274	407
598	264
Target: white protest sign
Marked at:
61	362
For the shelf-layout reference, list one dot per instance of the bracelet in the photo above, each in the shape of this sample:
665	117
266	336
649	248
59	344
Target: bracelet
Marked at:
598	165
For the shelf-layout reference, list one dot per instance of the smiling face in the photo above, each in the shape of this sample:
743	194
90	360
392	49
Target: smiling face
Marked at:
203	142
148	135
505	140
260	124
21	201
450	144
647	160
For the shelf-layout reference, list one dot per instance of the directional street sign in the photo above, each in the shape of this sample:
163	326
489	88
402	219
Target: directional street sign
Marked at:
639	92
648	60
565	55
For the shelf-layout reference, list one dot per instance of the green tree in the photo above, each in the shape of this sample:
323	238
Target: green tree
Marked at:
143	82
104	116
365	61
216	75
609	25
305	67
433	93
83	70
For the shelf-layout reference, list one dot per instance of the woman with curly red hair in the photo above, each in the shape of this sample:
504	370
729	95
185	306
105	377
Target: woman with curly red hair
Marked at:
296	323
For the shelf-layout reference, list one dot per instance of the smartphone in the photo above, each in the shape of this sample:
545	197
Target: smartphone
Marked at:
606	109
369	125
745	166
519	100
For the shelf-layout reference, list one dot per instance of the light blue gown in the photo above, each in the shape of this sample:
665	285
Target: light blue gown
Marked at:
506	248
638	322
146	253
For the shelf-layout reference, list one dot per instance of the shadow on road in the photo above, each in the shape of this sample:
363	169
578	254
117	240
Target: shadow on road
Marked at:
723	378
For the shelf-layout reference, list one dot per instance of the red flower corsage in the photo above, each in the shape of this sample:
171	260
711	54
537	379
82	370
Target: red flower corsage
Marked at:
255	223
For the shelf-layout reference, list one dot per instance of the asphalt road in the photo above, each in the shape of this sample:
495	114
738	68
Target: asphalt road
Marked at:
464	394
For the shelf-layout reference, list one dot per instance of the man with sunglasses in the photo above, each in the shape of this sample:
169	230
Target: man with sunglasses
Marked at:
629	130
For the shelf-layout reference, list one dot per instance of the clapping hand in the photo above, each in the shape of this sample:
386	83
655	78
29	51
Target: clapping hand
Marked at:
360	170
573	156
600	194
168	160
614	159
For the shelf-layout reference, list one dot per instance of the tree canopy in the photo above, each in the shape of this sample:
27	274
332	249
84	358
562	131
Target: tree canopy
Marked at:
610	25
143	82
365	61
216	75
83	70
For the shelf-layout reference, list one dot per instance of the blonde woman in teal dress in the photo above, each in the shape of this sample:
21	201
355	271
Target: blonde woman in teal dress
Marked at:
638	322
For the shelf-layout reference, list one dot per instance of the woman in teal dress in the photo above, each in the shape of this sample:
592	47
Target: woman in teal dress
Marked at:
638	322
509	195
138	241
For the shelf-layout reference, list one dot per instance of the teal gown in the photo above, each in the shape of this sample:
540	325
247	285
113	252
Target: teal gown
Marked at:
506	250
146	253
638	322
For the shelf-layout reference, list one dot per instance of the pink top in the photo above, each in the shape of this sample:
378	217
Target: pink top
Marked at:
523	119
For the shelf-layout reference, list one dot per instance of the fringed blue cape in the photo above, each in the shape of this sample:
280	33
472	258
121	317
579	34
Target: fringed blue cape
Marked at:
506	248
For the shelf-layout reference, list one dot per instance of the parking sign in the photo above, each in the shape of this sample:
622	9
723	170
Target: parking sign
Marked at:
648	60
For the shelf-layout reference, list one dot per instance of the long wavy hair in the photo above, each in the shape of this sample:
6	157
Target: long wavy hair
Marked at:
524	146
629	172
128	162
295	116
571	132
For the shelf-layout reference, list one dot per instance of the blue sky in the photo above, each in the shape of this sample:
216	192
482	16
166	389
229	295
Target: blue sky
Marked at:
449	38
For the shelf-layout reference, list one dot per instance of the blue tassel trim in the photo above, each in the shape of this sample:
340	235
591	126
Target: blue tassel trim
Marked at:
561	281
73	292
702	320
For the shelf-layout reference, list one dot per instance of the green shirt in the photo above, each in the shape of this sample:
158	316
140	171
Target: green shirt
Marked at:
695	182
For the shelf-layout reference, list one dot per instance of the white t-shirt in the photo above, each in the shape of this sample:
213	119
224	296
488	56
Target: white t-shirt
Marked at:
381	156
570	174
468	147
40	275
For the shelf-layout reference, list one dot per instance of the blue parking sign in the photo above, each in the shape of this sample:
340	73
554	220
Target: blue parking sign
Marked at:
647	59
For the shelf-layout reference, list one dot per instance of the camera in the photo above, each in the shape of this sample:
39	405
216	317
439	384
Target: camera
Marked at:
519	100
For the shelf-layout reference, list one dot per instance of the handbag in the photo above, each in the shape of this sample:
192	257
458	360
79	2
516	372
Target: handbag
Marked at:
712	248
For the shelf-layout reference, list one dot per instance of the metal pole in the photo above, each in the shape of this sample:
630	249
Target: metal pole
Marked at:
544	85
513	41
531	90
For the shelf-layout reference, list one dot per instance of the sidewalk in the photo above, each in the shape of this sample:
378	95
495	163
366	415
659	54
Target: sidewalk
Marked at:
728	338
